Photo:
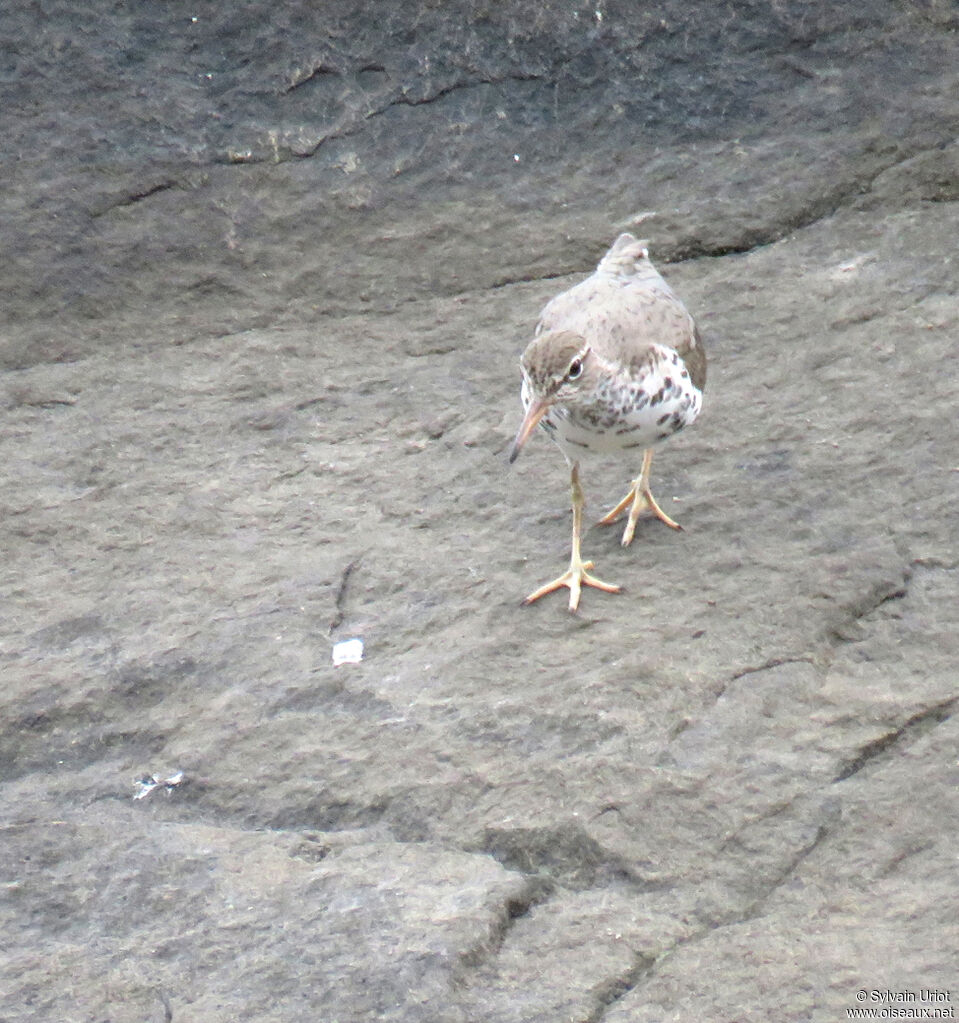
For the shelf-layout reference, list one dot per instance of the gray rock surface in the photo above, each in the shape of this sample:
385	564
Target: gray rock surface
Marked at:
269	270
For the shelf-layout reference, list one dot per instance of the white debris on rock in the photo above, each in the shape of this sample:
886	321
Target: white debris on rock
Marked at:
348	651
149	782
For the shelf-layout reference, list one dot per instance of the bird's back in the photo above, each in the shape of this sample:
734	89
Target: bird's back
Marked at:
624	308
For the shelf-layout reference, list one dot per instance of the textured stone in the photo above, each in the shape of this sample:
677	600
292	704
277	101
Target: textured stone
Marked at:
269	274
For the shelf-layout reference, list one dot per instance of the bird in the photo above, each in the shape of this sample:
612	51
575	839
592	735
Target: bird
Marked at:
616	365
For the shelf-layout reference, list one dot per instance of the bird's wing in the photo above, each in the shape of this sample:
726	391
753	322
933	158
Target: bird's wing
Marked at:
622	317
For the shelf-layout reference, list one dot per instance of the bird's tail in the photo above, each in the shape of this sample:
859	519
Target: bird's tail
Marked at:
625	257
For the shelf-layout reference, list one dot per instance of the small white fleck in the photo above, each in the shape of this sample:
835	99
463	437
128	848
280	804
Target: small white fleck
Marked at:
599	15
145	785
349	651
516	157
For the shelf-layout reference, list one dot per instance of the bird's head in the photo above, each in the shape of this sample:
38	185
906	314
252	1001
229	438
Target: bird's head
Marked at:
558	370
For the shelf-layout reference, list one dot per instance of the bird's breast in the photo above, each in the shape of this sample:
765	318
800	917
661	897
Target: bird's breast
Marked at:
627	410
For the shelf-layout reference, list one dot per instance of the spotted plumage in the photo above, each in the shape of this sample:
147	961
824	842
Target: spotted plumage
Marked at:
616	364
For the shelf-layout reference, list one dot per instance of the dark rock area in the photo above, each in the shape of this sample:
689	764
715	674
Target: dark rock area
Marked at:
268	270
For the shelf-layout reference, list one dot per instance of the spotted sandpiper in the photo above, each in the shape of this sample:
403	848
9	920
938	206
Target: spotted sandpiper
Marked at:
616	365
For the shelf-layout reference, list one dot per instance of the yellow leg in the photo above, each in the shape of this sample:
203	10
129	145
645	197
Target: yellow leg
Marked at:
577	575
638	500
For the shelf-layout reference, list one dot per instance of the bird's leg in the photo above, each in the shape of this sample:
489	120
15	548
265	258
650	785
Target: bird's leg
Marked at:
638	500
578	574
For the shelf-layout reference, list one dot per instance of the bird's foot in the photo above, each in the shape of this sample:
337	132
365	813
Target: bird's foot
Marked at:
637	501
614	513
575	577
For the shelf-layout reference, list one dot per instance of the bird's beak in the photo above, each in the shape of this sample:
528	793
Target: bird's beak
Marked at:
537	409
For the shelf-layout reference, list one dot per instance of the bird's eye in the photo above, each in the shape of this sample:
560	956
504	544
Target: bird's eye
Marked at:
575	369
